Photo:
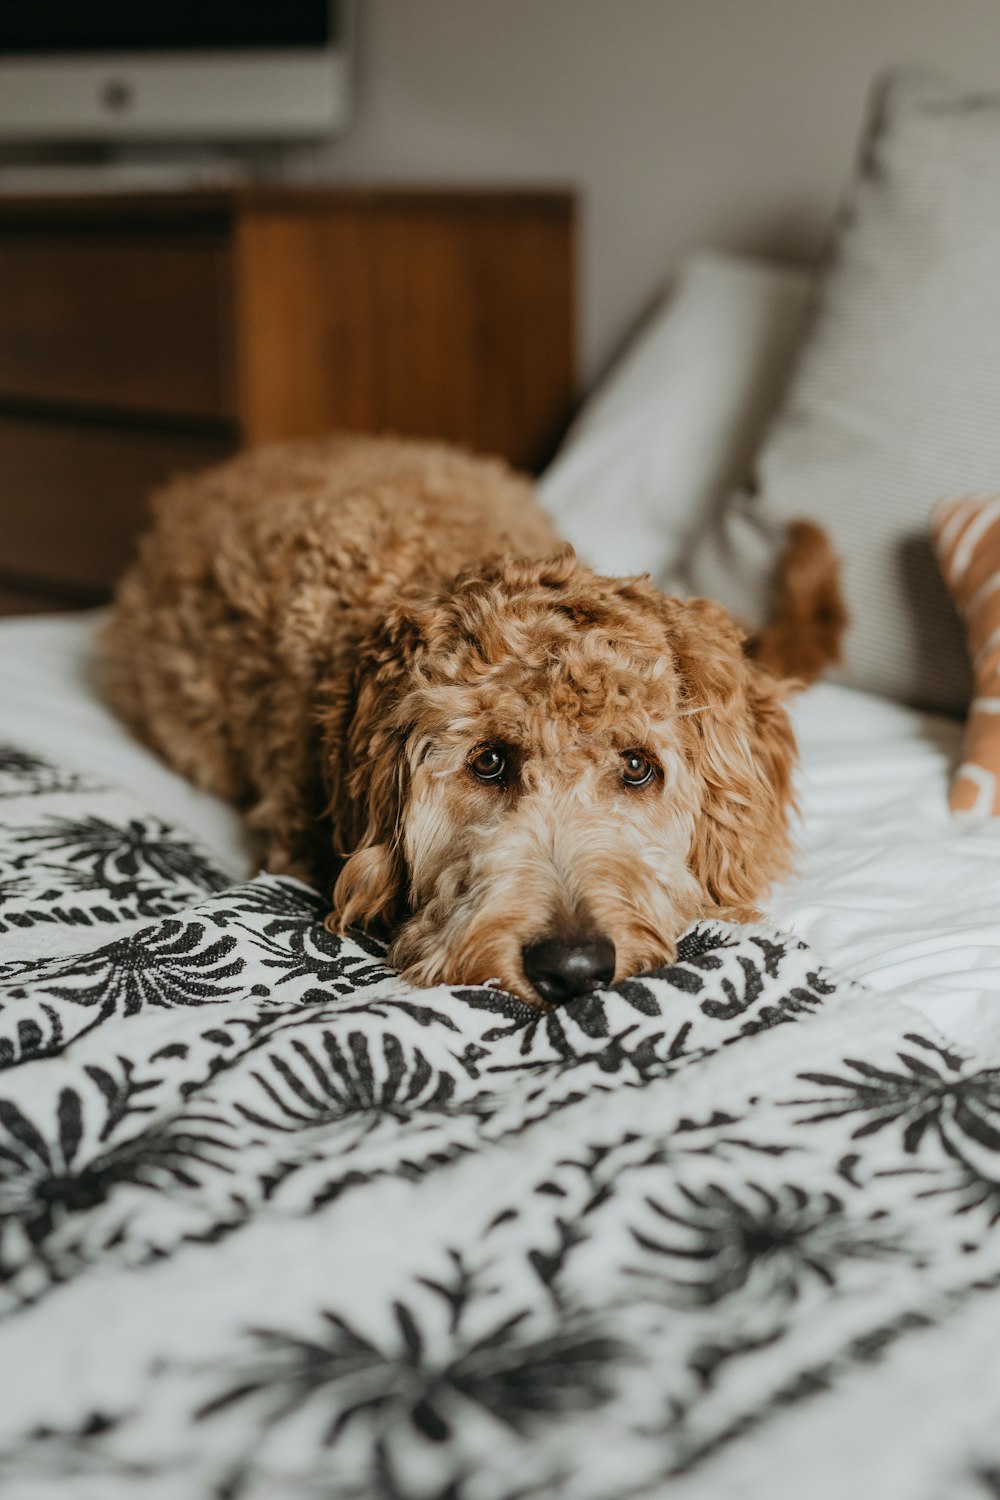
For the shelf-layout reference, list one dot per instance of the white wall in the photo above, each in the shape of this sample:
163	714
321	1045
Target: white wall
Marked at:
681	122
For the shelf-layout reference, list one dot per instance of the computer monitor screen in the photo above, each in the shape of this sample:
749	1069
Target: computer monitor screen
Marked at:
114	26
125	70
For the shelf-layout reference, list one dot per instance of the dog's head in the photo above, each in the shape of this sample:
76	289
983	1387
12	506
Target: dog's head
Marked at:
541	776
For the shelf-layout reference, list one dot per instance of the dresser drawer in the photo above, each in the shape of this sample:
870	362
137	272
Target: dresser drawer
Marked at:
72	498
132	323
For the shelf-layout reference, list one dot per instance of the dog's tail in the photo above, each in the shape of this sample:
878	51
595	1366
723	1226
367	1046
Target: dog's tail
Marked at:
808	617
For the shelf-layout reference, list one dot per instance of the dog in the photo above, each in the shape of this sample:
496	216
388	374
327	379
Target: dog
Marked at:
517	770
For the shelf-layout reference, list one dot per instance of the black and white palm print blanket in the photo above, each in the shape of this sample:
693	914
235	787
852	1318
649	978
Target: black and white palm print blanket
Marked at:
274	1224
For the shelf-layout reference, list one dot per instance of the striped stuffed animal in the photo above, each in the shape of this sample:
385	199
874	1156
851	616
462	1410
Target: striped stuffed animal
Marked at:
966	536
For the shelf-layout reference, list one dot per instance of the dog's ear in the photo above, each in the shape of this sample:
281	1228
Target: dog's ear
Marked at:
364	721
743	751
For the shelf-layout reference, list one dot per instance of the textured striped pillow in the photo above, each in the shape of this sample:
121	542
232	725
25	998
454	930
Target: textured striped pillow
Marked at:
967	540
894	398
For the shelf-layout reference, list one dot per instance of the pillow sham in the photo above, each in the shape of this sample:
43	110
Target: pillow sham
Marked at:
893	401
676	423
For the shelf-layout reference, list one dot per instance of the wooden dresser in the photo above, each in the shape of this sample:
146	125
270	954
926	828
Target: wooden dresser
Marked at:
141	336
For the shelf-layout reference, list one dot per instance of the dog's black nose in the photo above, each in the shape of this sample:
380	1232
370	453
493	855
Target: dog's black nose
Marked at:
562	970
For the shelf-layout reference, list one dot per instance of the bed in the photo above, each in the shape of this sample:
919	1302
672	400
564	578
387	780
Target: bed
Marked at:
273	1223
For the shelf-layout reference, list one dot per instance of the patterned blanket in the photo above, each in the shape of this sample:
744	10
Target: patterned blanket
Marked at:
274	1224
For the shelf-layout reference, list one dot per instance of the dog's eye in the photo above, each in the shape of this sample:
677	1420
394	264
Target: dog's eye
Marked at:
488	763
637	769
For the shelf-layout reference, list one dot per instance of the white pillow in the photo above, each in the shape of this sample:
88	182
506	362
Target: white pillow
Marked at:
675	426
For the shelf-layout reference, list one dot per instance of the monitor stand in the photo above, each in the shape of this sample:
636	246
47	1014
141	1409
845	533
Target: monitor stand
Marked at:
135	171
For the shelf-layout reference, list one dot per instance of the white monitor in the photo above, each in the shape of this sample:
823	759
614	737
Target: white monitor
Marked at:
174	70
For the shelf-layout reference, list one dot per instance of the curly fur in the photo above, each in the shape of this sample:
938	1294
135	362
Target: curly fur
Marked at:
327	633
805	632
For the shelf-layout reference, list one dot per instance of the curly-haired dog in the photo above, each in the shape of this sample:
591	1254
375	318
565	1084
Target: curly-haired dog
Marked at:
520	770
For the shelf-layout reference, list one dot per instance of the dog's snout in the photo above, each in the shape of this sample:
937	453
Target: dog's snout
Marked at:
563	969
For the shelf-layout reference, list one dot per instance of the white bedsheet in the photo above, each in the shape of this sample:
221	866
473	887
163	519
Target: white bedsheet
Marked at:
50	699
887	889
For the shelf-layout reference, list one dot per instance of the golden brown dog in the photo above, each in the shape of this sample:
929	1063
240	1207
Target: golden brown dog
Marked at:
521	771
